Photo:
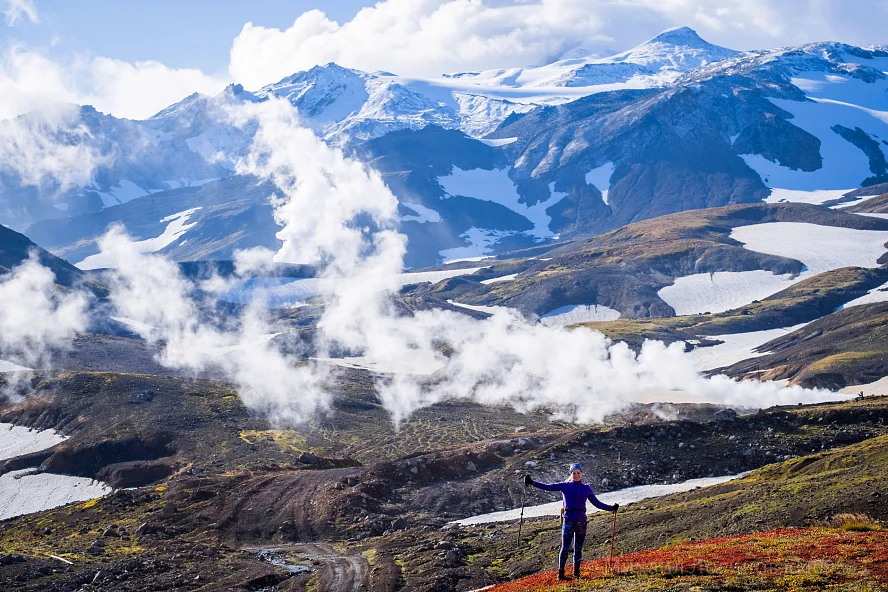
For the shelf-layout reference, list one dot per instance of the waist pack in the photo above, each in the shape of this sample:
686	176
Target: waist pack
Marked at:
565	510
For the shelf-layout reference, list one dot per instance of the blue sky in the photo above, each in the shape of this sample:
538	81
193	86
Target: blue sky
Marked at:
132	58
179	33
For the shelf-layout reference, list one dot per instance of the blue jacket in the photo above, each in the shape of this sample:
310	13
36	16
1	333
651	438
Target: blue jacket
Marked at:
575	494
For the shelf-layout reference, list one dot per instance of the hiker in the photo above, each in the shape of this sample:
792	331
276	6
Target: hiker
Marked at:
573	514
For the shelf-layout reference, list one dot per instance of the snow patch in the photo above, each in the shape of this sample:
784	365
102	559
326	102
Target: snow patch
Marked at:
423	214
7	366
467	260
736	347
481	241
600	178
478	308
17	440
879	294
502	278
25	492
176	227
578	313
496	186
818	196
720	291
121	193
879	387
499	142
289	292
419	364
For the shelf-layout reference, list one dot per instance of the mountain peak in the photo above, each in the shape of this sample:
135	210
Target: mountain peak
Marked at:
678	49
680	36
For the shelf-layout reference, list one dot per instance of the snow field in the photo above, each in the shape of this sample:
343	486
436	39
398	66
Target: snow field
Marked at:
23	492
819	248
721	291
833	100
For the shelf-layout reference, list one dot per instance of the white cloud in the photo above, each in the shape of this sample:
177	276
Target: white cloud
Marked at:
159	303
431	37
17	10
141	89
50	147
36	316
30	79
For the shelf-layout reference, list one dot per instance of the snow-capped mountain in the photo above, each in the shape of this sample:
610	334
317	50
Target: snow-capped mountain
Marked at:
188	143
483	162
653	64
343	104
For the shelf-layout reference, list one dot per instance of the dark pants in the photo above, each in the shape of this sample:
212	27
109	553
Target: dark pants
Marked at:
572	533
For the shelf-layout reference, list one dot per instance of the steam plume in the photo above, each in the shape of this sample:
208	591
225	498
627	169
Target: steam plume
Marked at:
36	317
325	203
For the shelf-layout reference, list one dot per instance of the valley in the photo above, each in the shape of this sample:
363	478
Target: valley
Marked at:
313	335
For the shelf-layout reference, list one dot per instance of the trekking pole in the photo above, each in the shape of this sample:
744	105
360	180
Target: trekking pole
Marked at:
521	522
613	536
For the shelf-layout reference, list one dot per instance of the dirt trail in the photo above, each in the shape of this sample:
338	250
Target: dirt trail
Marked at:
335	571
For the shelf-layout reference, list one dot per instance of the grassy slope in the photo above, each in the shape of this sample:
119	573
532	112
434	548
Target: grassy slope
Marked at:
196	510
800	492
845	348
782	559
803	302
877	205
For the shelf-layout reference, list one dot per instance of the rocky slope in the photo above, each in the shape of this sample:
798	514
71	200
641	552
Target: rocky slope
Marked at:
235	487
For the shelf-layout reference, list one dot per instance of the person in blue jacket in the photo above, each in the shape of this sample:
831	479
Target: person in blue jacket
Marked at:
573	530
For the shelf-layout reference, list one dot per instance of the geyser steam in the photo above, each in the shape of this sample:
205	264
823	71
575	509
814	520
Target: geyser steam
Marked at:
337	213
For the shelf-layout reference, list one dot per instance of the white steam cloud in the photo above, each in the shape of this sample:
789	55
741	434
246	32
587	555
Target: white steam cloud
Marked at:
36	316
156	301
337	213
48	147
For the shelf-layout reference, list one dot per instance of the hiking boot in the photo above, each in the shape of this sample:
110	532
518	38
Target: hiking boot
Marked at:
577	575
561	575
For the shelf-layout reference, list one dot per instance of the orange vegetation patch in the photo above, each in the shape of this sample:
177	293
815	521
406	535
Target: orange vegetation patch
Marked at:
786	558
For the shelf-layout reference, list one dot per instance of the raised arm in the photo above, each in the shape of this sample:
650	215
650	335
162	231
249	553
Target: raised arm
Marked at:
548	486
600	504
